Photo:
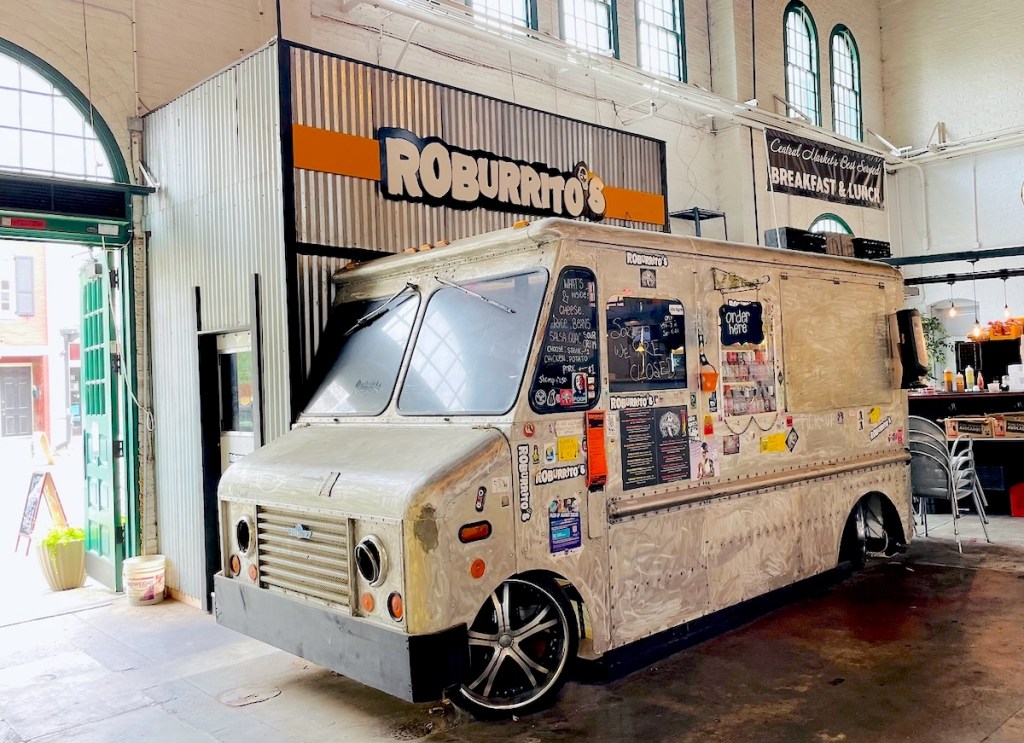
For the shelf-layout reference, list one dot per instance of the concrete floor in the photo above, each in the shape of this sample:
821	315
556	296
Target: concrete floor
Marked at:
924	647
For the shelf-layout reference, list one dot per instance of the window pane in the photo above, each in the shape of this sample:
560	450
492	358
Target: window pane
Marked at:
37	112
9	108
516	12
661	41
846	106
8	72
587	24
37	152
802	64
470	355
364	362
10	148
32	80
66	118
69	155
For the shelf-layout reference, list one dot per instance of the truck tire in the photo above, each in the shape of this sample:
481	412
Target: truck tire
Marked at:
520	647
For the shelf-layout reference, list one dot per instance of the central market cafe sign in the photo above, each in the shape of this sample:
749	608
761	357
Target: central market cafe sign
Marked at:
803	167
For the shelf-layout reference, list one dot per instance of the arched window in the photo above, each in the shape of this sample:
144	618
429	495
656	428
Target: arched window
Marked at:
846	109
43	130
830	223
801	47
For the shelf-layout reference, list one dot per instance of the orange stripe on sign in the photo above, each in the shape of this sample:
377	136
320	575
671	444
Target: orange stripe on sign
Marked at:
334	152
636	206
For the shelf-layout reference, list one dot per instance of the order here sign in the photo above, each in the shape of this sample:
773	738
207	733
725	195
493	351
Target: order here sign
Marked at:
803	167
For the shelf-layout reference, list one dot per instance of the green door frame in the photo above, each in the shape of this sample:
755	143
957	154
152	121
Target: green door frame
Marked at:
70	228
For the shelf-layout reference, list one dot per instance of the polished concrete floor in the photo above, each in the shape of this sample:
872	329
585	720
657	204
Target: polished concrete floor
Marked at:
928	646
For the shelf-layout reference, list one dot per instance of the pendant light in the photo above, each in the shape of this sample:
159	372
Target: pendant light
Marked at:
952	307
1006	304
976	332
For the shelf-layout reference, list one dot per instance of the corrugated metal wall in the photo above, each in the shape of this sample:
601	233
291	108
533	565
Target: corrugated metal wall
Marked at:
351	97
215	222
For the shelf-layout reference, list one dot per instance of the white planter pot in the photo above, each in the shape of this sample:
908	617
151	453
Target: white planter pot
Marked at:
63	565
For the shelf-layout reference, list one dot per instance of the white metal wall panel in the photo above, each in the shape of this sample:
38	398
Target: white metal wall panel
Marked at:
215	222
354	98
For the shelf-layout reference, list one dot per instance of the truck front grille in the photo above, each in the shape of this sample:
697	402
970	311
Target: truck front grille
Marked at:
304	554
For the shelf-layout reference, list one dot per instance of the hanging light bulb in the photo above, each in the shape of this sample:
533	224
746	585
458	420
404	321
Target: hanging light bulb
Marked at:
1006	304
976	332
952	307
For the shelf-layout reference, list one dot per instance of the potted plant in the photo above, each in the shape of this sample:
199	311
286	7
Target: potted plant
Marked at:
935	341
62	558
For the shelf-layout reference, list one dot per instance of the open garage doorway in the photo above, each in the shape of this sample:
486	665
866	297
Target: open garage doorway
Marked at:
68	409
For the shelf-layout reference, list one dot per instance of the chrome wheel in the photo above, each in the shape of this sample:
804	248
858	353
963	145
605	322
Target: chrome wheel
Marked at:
519	647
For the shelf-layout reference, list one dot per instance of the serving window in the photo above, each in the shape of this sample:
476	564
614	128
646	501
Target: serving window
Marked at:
646	344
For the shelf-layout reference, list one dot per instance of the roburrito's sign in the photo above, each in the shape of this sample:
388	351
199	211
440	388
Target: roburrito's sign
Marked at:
431	170
803	167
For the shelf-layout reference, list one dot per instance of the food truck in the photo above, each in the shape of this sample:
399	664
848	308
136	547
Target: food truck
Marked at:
551	441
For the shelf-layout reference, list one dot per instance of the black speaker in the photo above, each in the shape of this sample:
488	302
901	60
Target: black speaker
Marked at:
913	352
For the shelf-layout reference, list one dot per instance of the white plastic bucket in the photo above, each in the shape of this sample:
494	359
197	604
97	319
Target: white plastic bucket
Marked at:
144	579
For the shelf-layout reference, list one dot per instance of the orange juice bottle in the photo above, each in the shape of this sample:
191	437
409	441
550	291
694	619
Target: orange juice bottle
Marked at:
947	380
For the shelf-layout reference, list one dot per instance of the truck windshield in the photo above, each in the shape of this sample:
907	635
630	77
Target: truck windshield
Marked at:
472	348
358	360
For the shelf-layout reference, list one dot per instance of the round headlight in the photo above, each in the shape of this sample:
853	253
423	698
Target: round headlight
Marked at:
371	560
243	534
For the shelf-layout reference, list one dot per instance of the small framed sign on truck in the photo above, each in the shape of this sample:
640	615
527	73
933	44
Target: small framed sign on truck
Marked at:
557	440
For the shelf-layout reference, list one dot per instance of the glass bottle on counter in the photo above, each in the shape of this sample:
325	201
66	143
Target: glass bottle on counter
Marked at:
969	377
947	380
959	382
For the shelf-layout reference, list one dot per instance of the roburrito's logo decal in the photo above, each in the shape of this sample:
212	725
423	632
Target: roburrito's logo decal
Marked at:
523	469
432	171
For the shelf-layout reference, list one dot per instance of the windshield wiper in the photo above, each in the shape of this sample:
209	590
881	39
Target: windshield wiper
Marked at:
482	298
372	315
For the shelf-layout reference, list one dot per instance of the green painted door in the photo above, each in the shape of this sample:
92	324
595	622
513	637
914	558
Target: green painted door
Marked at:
104	530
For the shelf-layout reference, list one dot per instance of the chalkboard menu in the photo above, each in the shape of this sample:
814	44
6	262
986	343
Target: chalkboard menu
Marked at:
655	446
646	344
742	323
567	371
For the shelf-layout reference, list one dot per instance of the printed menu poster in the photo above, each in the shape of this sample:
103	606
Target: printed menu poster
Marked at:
655	446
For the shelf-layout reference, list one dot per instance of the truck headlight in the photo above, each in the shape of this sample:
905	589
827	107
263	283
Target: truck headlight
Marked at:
371	560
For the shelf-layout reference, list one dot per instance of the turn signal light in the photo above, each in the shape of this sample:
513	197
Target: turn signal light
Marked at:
253	573
235	564
395	607
474	532
367	602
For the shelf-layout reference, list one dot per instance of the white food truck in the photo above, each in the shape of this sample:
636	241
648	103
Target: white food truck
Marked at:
558	439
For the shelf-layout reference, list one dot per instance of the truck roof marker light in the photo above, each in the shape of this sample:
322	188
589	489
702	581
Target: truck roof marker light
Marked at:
395	607
366	601
477	568
474	532
235	565
520	224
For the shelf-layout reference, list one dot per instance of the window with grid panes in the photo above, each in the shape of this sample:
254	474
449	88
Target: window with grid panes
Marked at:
589	25
512	12
846	110
830	223
660	35
802	80
42	132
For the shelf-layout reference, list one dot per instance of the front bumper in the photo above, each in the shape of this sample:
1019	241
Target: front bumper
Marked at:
416	668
